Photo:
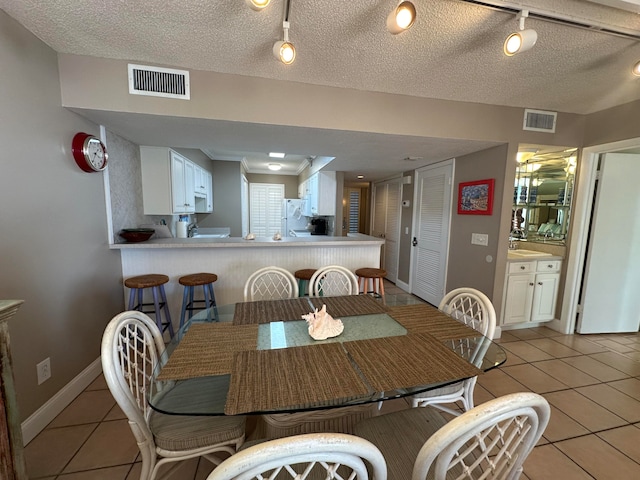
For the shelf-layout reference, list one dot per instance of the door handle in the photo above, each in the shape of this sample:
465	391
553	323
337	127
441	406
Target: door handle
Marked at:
414	242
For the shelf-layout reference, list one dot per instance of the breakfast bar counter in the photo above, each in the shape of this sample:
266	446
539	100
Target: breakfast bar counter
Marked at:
234	259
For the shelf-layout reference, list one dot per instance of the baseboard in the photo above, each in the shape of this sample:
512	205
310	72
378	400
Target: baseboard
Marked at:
37	422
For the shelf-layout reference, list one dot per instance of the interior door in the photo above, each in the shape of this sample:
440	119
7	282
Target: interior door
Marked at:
386	223
431	231
610	299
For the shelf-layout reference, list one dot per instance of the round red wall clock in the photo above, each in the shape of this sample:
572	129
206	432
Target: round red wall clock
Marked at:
89	152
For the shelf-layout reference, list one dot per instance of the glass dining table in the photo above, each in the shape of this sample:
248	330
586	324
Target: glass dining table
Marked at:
258	357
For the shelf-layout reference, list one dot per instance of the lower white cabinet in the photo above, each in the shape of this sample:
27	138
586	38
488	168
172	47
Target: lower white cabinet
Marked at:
531	291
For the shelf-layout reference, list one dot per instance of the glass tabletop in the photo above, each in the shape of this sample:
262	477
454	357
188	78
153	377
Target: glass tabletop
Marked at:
207	394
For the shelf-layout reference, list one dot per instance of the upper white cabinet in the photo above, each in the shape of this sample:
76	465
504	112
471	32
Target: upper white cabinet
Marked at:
319	193
531	291
168	182
204	193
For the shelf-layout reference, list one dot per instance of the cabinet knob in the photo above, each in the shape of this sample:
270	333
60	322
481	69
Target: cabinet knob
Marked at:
539	283
531	284
550	266
521	267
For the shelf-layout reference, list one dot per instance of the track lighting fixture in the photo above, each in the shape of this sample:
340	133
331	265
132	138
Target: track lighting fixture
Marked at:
401	18
636	69
522	40
284	50
257	5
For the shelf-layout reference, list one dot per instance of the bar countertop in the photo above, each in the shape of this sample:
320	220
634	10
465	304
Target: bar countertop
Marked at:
239	242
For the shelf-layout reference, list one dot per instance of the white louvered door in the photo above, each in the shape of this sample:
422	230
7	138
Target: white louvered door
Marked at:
431	231
265	208
386	222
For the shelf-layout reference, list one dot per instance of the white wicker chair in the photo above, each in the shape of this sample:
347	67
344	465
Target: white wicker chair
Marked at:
314	455
333	280
473	308
270	283
490	441
130	350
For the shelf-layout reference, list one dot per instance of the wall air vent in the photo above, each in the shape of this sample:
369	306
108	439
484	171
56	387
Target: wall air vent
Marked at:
158	82
539	121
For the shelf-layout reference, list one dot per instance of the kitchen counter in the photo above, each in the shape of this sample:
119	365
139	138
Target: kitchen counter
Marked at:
263	242
234	259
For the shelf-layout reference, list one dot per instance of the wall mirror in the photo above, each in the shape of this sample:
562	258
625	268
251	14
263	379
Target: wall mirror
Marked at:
542	194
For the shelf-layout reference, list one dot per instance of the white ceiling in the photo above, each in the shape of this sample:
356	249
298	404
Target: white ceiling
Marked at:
453	52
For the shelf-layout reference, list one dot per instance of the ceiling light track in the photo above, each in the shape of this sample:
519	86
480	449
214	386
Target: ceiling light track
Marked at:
556	17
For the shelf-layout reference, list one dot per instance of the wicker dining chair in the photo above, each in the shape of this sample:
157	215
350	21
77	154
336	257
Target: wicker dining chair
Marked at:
314	455
270	283
489	442
333	280
473	308
131	345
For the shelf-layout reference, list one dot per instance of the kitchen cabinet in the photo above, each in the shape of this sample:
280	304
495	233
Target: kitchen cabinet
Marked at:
199	185
320	194
531	291
204	196
168	181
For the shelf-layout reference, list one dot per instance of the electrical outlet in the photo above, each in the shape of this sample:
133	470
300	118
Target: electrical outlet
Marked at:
44	370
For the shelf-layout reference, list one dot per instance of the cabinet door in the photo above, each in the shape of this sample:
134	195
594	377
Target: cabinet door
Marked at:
545	296
519	298
208	184
189	187
326	193
199	179
177	183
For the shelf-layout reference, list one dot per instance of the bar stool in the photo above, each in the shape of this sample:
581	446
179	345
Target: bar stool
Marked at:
372	277
303	277
205	280
156	283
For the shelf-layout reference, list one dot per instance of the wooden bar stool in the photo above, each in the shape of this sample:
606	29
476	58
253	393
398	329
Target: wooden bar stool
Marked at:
303	277
374	278
156	283
204	280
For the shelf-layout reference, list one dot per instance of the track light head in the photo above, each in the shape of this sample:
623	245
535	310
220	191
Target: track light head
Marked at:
284	50
522	40
401	18
636	69
257	5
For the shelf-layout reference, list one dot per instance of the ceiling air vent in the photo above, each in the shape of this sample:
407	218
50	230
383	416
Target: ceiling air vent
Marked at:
158	82
539	121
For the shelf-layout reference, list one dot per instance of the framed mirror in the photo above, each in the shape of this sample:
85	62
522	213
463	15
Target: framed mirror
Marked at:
542	194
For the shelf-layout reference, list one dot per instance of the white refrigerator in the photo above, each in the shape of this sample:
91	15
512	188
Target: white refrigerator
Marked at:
294	223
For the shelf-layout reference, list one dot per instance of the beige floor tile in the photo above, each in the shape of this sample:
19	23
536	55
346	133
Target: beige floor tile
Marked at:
481	395
526	351
630	386
546	332
89	407
112	473
506	337
565	373
111	444
580	343
98	384
635	355
615	346
498	383
596	369
547	462
626	439
534	379
115	413
553	348
599	458
561	427
513	359
53	448
619	362
613	400
584	411
526	334
134	474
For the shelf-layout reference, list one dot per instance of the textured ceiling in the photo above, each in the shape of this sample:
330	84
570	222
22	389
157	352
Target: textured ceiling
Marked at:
453	51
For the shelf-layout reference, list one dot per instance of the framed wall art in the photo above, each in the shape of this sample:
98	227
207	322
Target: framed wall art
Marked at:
476	198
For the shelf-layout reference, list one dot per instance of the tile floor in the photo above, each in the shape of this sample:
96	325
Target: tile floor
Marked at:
592	383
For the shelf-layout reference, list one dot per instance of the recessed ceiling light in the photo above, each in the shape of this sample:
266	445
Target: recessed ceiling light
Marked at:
276	155
360	177
274	166
636	69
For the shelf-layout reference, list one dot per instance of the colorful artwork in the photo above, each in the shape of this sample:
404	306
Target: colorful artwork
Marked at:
476	198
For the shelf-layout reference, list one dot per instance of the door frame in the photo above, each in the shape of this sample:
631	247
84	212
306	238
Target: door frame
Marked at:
583	197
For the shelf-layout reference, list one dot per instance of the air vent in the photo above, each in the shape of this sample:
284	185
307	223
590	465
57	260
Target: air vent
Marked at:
158	82
539	121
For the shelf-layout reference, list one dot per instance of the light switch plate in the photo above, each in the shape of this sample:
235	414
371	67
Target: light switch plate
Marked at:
480	239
